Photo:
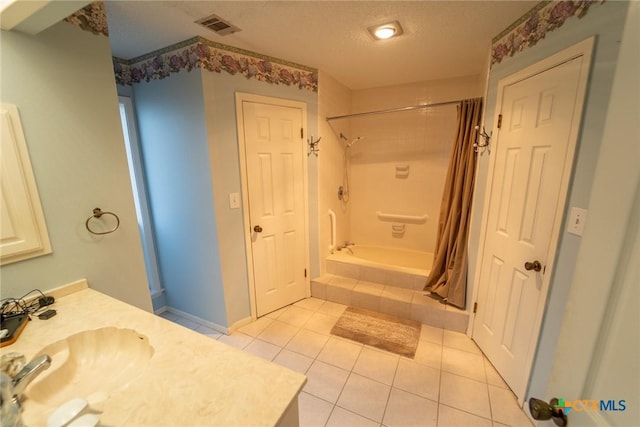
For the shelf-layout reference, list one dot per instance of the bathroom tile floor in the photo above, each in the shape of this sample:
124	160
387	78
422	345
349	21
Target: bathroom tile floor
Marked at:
448	383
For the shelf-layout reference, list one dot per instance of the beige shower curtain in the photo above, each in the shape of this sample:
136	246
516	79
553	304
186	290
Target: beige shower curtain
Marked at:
448	277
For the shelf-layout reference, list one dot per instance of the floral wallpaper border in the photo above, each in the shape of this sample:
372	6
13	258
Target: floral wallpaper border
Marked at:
92	18
199	52
547	16
196	52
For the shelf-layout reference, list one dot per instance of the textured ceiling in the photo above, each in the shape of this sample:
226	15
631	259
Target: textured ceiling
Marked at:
441	39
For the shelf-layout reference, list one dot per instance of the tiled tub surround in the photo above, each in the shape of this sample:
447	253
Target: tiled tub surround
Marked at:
386	280
388	266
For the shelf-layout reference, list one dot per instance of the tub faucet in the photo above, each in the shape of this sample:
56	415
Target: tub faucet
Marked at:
346	247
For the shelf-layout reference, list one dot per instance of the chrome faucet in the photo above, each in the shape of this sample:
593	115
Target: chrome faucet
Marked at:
346	247
30	371
12	387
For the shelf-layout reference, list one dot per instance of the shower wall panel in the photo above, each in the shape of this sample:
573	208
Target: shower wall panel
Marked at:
421	140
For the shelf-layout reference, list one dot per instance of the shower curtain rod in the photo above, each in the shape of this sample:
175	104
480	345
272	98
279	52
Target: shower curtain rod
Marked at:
393	110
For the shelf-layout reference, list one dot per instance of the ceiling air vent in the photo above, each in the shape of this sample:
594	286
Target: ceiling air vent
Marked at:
217	24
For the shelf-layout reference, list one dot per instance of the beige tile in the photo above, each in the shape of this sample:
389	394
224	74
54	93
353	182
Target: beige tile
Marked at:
340	352
343	282
364	396
375	275
343	418
465	394
277	313
319	290
419	298
255	328
363	299
376	365
332	308
295	316
427	315
505	408
429	354
325	381
312	304
278	333
324	279
431	334
493	377
451	417
307	342
399	294
346	270
460	341
456	320
294	361
236	339
400	280
395	307
463	363
418	379
210	332
339	294
406	409
320	323
313	412
369	287
263	349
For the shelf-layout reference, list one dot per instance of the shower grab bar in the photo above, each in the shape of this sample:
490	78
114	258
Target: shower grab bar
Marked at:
332	217
407	219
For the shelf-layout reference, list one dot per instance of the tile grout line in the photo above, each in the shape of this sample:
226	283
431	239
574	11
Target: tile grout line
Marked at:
393	380
351	370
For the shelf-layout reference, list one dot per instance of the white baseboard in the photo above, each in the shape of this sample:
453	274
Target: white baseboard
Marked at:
208	324
240	323
161	310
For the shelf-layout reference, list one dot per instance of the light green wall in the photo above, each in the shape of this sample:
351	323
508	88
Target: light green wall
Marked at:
173	140
62	82
605	22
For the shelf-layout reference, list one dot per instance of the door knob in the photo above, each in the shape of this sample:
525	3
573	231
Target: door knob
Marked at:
541	410
535	266
257	229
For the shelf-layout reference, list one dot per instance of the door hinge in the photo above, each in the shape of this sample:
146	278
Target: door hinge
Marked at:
499	121
301	132
475	307
305	272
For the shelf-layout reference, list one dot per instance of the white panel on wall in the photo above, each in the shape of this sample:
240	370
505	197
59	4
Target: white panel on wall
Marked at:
23	232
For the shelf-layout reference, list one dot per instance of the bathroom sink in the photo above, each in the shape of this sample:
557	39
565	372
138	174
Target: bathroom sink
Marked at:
90	363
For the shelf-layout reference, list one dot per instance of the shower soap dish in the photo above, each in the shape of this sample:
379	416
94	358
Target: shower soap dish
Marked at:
397	229
402	171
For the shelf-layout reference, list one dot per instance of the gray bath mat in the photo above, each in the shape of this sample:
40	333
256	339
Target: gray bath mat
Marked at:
383	331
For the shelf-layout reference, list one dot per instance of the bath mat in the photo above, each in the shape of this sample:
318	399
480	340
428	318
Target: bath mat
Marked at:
383	331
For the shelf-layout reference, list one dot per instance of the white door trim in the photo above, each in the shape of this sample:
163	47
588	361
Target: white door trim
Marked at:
240	98
584	50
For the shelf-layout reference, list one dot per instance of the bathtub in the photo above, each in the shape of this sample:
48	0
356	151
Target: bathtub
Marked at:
390	266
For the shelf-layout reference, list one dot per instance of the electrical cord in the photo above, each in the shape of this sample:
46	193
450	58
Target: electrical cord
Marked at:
16	306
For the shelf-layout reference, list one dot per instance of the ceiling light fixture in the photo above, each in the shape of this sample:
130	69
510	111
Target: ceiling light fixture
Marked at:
385	31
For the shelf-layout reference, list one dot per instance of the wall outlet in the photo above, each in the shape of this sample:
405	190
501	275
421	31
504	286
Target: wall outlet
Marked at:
234	200
577	220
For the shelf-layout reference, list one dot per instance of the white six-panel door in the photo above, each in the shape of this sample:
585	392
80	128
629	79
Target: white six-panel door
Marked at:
537	134
274	154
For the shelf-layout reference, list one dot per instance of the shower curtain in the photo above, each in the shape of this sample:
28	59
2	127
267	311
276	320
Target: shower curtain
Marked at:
448	277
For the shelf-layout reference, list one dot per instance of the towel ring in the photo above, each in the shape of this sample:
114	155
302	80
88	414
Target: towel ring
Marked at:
97	213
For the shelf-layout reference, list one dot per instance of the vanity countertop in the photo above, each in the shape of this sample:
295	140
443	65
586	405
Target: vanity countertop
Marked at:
191	379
